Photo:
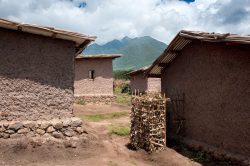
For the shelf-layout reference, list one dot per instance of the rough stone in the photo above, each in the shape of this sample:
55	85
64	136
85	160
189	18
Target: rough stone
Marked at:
57	134
2	128
70	133
79	130
50	129
44	125
5	135
40	131
66	122
16	126
10	131
75	122
58	124
30	124
23	131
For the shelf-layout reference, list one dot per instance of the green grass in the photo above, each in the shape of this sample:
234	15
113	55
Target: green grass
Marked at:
81	102
122	98
120	130
106	116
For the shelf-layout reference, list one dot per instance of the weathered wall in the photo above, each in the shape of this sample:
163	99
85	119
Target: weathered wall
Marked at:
215	80
138	82
154	84
36	77
102	84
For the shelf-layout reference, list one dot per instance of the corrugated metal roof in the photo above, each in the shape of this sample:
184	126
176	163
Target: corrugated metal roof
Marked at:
80	40
98	56
182	39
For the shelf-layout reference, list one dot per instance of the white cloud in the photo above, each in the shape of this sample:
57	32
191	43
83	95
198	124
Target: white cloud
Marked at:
113	19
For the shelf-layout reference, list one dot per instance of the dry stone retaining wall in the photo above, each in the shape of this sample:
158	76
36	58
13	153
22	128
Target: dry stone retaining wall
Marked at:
107	99
58	128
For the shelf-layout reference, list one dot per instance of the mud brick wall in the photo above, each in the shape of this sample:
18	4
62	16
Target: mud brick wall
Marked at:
102	84
36	77
215	79
143	83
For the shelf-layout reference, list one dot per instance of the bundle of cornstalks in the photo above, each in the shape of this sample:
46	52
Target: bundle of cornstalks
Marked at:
148	122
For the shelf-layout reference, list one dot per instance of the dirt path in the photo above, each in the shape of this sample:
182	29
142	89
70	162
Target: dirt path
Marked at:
106	149
115	151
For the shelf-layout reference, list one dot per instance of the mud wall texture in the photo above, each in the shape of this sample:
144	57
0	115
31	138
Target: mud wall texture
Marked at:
154	84
102	84
215	80
36	77
142	83
138	82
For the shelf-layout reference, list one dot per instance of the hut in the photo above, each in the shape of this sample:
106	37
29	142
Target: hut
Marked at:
139	81
36	73
207	77
94	78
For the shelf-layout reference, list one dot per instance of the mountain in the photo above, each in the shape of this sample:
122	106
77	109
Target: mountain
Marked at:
137	52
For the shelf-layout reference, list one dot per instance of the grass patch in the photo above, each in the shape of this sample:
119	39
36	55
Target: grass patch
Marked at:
81	102
106	116
122	98
119	130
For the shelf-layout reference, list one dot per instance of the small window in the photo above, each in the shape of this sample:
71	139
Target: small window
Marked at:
91	74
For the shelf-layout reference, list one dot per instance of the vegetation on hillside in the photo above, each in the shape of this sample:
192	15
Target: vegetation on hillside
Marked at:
137	52
121	74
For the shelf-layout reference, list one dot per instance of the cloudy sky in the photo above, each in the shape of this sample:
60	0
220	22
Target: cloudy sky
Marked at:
114	19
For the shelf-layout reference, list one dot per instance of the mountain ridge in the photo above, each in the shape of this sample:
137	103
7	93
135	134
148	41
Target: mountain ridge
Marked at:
137	52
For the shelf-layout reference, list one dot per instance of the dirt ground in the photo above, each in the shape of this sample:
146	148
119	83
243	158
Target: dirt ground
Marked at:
104	149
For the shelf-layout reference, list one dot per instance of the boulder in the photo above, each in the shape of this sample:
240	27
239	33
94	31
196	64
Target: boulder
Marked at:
15	126
57	134
44	125
40	131
66	122
10	131
70	133
30	124
2	128
5	135
76	122
57	124
23	131
50	129
79	130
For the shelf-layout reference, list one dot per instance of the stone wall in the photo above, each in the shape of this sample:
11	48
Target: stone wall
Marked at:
58	128
95	99
36	77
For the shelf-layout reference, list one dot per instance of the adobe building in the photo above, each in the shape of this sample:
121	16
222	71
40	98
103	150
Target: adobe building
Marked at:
211	73
139	81
37	78
94	78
